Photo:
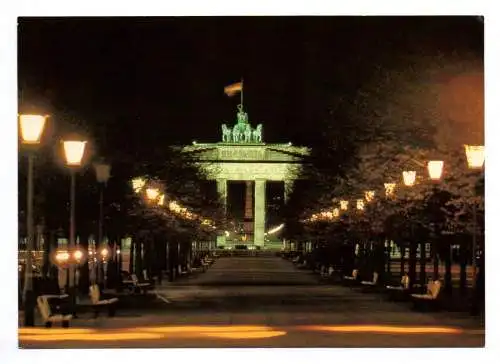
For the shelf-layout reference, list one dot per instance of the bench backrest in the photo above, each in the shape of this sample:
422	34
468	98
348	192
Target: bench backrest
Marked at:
134	278
43	307
433	288
94	293
405	281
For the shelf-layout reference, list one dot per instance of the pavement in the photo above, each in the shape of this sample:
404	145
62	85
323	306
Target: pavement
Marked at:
264	302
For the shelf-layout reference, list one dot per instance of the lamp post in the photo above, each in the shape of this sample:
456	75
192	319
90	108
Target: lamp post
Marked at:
435	170
73	151
409	178
31	132
475	161
102	172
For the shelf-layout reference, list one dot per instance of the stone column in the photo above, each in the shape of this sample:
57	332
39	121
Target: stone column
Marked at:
287	190
260	212
222	190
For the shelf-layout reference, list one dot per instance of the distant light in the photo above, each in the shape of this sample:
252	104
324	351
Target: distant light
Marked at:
435	169
289	144
369	195
475	155
409	177
389	188
194	142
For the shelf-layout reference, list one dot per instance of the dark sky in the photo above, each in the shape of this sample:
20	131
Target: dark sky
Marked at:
140	81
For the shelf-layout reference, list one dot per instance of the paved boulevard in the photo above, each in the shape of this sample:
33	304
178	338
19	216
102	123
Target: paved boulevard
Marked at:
265	302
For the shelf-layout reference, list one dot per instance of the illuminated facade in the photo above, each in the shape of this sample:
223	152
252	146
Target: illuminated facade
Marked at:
251	160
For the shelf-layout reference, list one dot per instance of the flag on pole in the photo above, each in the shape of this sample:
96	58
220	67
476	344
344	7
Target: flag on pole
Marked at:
231	90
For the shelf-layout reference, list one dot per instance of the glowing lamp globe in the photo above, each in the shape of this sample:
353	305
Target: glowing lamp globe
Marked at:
152	193
409	177
475	156
369	195
73	150
360	204
344	204
435	169
389	189
336	212
31	128
138	183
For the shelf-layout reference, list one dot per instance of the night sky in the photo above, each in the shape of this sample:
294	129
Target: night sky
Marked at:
139	82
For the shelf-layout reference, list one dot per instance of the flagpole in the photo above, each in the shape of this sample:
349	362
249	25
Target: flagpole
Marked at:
241	93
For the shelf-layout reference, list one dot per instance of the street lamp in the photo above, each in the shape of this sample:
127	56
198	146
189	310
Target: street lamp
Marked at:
336	212
102	173
435	169
475	156
475	160
31	132
344	204
409	178
389	189
138	183
73	151
369	195
152	193
360	204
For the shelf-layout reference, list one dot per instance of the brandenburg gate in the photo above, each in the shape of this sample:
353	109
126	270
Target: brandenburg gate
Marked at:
243	156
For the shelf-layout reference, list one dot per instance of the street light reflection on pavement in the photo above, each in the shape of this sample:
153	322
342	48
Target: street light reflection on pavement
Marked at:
382	329
150	333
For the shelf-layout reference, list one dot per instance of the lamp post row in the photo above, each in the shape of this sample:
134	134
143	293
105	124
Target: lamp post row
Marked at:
31	130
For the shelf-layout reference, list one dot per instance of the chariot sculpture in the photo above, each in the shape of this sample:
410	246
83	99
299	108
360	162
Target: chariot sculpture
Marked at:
242	131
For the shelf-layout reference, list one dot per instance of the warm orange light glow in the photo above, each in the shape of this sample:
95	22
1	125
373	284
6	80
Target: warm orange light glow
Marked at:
104	252
435	169
152	193
31	128
62	256
161	200
73	150
53	331
409	177
360	204
336	212
78	255
369	195
244	334
138	183
344	204
111	336
475	156
202	328
385	329
389	189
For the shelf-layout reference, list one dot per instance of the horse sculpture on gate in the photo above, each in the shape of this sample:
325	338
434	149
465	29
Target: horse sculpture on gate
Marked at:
226	134
242	131
257	134
248	134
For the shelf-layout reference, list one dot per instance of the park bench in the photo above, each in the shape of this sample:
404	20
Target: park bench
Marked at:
135	286
45	311
98	303
399	292
350	280
427	300
370	285
373	282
